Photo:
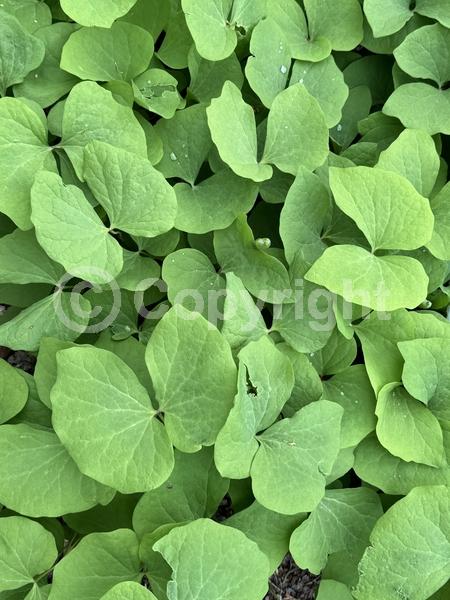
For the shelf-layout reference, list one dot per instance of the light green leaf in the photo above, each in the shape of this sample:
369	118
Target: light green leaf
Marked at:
13	392
338	354
342	522
413	155
307	383
439	245
144	204
340	23
303	215
379	338
86	249
266	380
208	77
423	54
295	116
98	563
356	108
302	448
193	282
407	428
434	9
101	13
242	320
151	15
45	370
325	81
39	478
31	14
186	143
413	536
426	374
22	260
195	405
26	550
104	417
270	530
379	282
214	37
23	154
197	550
121	52
386	17
128	590
267	71
420	106
156	90
193	490
233	130
351	389
48	83
64	315
177	42
214	203
333	590
384	205
21	52
91	113
138	273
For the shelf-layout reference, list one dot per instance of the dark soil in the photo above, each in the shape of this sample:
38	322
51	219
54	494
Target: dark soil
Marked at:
289	582
19	359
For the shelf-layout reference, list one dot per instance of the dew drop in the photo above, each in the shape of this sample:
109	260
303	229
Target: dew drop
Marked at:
35	20
342	393
339	127
283	69
301	80
173	156
36	75
311	354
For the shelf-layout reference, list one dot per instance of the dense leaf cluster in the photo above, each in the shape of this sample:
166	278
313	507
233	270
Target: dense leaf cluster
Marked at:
225	234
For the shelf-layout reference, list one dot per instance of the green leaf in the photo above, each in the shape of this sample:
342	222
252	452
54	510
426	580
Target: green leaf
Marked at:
91	113
13	392
193	282
295	115
48	83
156	90
386	17
384	205
266	380
144	204
117	514
426	373
267	71
379	282
214	37
22	260
214	203
23	155
64	315
193	490
420	551
303	448
439	245
242	320
121	52
86	249
270	530
420	106
195	405
177	42
422	54
338	354
341	23
45	370
380	336
138	273
151	15
233	130
31	14
116	420
208	77
197	550
325	82
413	155
342	522
38	476
333	590
20	52
101	13
263	275
307	383
355	109
98	563
128	590
351	389
303	215
407	429
26	550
